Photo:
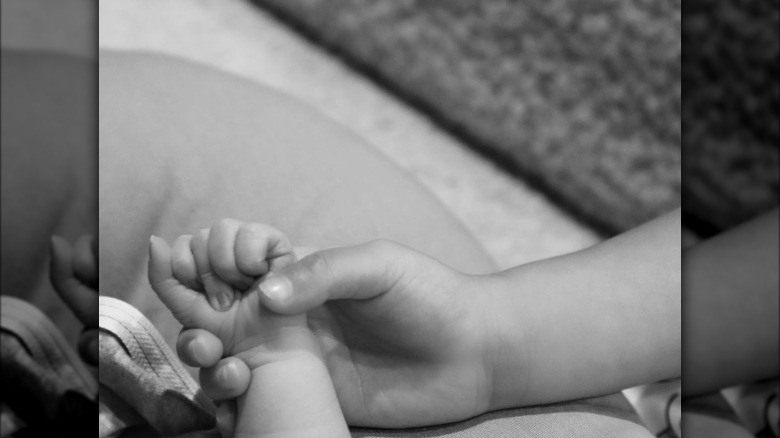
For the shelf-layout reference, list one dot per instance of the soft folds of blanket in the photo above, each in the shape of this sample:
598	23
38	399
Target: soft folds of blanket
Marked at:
47	390
142	381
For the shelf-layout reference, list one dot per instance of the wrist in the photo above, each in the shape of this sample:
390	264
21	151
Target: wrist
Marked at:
289	343
291	395
508	339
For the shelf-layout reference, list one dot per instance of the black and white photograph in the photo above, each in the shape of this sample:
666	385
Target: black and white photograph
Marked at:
393	216
375	219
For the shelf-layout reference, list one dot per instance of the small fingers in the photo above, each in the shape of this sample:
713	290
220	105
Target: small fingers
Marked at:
251	248
228	379
222	254
199	348
186	304
183	263
218	293
260	247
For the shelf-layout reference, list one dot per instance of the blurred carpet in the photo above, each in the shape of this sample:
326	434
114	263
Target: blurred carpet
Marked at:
581	99
732	99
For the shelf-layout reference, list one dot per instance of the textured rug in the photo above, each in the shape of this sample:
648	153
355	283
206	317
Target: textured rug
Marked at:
731	140
581	99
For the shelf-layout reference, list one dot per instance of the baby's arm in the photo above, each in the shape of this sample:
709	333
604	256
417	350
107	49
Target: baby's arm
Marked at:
290	392
592	322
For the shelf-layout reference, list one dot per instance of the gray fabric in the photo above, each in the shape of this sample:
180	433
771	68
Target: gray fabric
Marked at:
147	378
572	420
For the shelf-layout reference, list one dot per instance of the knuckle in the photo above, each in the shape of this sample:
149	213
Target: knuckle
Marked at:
200	238
208	277
224	268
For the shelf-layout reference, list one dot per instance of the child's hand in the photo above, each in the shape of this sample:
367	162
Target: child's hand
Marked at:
219	268
406	339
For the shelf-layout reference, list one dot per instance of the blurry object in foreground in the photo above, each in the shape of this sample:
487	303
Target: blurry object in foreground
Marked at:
711	417
46	388
660	407
743	411
147	386
756	405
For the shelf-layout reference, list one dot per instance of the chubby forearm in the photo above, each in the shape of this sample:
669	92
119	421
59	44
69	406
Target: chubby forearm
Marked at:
731	301
591	322
291	396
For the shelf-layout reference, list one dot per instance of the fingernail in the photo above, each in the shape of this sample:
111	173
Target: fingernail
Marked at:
276	287
225	373
197	351
224	301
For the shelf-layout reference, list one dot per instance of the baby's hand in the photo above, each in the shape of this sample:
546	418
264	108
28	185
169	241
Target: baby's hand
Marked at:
199	278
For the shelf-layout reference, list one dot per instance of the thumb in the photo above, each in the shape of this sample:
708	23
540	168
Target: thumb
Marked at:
358	272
